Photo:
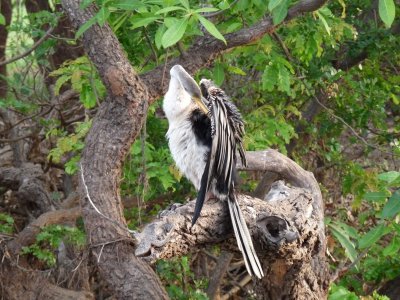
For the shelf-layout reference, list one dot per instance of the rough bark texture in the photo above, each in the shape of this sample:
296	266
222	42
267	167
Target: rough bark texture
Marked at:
30	183
287	229
116	125
206	49
26	284
5	9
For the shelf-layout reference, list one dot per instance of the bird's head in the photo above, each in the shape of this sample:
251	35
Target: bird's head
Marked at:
189	85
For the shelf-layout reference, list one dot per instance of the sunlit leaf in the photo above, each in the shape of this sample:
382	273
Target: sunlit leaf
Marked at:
185	3
372	236
272	4
279	13
174	33
85	27
2	20
219	74
387	11
393	248
322	18
126	4
344	240
392	207
168	9
210	27
206	9
376	196
142	21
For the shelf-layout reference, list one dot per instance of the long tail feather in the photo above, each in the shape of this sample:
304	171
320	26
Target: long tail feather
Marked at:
243	239
202	193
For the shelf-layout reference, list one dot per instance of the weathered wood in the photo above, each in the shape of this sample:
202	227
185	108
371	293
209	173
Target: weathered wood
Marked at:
115	126
29	284
287	230
29	182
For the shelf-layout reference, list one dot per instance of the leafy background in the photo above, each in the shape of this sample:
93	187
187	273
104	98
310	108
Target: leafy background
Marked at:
351	145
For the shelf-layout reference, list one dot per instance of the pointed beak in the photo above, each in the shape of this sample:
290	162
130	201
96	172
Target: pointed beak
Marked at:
190	86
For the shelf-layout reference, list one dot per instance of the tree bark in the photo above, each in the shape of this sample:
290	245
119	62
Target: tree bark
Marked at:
117	123
287	229
6	11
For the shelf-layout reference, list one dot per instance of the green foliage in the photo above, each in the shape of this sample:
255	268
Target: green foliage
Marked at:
387	11
83	79
381	242
50	238
180	281
6	223
69	144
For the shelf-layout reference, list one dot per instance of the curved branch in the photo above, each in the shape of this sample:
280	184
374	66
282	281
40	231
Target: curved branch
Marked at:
29	51
287	229
117	123
207	48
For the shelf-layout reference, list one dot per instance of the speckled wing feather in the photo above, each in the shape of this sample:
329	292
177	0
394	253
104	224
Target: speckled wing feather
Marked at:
227	135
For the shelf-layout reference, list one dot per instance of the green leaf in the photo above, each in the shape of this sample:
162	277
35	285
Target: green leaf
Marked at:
185	3
174	33
59	83
273	4
393	248
168	9
322	18
85	3
142	21
392	177
283	79
219	74
344	240
2	19
236	70
158	36
102	15
269	77
87	97
376	196
387	11
392	207
76	80
279	13
126	4
85	27
372	236
210	27
206	9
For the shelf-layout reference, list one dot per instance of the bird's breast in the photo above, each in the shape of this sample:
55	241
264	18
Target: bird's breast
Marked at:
188	151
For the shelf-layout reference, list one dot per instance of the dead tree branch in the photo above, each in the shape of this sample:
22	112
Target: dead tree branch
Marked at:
287	229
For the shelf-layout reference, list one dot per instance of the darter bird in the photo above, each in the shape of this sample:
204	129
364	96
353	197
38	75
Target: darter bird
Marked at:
205	129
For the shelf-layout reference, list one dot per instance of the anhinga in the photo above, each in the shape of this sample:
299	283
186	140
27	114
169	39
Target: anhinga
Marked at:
205	129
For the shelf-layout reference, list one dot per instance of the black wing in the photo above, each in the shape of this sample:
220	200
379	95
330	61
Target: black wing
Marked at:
227	133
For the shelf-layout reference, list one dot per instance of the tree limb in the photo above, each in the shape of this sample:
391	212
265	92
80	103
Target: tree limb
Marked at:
30	50
206	49
114	128
287	229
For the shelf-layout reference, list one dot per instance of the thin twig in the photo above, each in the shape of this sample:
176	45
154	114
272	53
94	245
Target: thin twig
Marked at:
17	139
343	269
27	52
41	113
350	127
94	206
235	289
